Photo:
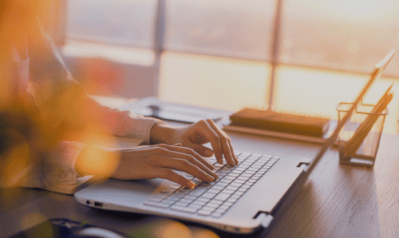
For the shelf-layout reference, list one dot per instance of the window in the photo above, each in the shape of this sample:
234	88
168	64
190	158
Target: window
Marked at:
340	35
225	53
227	28
234	36
122	22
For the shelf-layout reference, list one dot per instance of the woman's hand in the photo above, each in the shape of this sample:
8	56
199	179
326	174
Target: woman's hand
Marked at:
159	161
194	136
145	162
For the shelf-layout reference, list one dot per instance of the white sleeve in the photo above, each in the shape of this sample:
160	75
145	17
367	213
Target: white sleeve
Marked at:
56	172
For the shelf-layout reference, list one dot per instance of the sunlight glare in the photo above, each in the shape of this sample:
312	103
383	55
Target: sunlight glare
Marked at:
356	8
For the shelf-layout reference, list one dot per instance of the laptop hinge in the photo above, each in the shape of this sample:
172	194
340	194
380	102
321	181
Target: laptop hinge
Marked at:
264	218
304	164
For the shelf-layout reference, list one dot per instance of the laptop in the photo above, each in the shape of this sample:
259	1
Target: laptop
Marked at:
245	198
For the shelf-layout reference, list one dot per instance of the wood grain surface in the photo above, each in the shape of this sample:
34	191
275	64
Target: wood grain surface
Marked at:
336	200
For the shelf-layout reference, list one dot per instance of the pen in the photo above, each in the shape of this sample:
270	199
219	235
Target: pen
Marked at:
363	130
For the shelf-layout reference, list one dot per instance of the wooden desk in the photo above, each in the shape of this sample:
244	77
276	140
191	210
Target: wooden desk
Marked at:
336	201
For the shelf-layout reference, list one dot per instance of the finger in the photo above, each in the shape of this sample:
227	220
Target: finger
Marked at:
172	176
204	128
190	151
202	150
182	165
199	164
225	141
234	154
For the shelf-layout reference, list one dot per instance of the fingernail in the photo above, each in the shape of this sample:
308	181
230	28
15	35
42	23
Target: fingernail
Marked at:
178	144
208	152
210	178
191	185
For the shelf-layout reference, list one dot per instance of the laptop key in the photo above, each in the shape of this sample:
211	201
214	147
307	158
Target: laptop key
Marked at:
155	199
224	206
215	202
232	200
235	196
183	192
249	173
190	196
186	200
231	176
240	182
239	169
228	191
181	204
216	214
196	206
171	198
222	196
205	212
223	184
197	192
177	195
209	208
214	190
211	205
185	209
155	204
201	199
221	210
166	201
208	195
249	183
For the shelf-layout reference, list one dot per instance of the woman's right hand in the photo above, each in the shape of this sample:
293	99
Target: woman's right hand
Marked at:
159	161
154	161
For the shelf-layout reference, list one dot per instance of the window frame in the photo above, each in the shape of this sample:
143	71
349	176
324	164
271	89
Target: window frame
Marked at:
158	48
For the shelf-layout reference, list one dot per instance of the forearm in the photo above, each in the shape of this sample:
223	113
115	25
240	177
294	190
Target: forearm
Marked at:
97	161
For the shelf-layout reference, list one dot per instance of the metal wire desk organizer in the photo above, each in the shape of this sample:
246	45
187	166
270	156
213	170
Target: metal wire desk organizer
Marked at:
359	139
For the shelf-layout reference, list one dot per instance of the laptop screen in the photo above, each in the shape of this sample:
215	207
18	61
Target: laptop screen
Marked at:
379	69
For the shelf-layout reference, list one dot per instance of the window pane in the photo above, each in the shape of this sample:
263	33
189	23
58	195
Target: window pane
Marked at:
233	28
317	92
350	35
125	22
214	82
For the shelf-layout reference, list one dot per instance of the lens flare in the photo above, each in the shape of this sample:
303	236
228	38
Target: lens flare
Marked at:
17	163
33	219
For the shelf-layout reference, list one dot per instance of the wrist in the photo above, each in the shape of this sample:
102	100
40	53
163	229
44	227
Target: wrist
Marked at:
161	133
97	161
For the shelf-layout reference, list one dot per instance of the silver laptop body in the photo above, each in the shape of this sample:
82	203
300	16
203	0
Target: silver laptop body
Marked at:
254	208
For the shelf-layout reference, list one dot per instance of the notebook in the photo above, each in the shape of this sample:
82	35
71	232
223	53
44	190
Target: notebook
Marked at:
245	197
282	122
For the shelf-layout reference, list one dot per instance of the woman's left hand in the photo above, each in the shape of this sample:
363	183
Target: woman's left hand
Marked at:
194	136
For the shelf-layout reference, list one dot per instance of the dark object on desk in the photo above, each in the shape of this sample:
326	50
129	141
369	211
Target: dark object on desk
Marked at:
64	228
282	122
175	113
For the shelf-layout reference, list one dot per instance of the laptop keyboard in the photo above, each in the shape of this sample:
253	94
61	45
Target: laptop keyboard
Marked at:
215	198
